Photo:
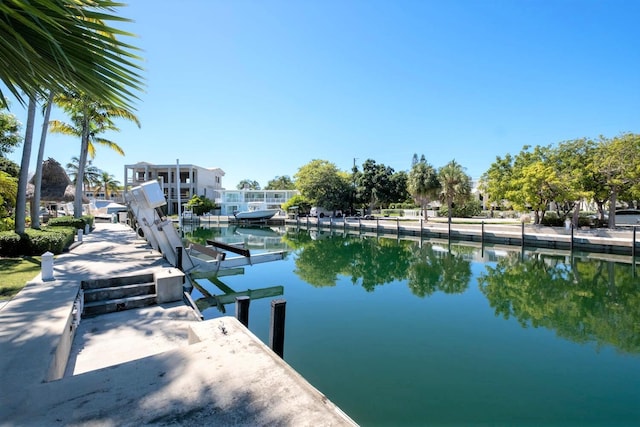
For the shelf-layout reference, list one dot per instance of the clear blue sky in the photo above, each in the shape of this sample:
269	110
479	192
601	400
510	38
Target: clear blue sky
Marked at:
260	88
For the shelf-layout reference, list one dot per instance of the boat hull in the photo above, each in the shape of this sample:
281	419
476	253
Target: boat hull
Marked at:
256	215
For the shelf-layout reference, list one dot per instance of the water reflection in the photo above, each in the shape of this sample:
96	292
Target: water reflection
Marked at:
583	300
592	301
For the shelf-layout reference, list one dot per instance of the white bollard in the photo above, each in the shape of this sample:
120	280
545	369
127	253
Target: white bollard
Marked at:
79	235
86	229
47	266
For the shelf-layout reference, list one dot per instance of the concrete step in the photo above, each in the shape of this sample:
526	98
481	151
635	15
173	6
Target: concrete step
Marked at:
116	281
118	304
115	292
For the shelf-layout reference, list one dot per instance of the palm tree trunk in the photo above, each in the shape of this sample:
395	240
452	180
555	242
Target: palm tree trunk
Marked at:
35	214
23	178
84	150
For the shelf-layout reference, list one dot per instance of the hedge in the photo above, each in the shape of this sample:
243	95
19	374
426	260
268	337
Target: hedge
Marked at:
69	221
36	242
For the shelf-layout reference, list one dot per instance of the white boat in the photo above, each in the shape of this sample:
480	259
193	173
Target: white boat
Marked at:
256	211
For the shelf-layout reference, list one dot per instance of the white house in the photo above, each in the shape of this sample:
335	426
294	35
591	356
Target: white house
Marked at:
193	180
196	180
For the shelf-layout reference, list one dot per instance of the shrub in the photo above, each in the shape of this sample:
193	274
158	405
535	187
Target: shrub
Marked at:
467	210
36	242
7	224
54	239
10	244
69	221
551	219
392	212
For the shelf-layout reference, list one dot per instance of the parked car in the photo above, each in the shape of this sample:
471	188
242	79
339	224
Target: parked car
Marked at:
628	216
319	212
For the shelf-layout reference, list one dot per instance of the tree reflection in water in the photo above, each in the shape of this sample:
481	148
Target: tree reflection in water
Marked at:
582	300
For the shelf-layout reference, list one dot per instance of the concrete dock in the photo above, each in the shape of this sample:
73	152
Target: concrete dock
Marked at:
156	365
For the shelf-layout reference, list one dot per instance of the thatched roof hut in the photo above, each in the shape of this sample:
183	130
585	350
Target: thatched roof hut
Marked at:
56	186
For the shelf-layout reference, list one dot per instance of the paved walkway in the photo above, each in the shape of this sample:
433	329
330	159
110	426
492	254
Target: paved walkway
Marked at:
222	375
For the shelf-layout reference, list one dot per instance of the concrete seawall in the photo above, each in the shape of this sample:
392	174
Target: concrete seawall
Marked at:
616	241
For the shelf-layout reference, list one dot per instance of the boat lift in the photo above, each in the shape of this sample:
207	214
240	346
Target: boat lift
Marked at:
144	202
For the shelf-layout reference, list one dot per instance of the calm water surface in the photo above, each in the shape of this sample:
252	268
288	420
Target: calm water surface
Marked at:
401	333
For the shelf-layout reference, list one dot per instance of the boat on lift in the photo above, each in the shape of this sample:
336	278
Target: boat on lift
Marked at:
256	211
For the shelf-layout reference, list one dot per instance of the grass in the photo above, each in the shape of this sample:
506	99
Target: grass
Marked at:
15	273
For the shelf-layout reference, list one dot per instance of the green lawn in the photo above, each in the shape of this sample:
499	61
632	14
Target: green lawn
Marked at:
15	273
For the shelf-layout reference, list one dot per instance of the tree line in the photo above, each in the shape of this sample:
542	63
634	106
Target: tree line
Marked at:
566	178
374	185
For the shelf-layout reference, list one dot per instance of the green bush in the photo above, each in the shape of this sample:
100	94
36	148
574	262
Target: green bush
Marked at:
36	242
551	219
392	212
469	209
10	244
69	221
7	224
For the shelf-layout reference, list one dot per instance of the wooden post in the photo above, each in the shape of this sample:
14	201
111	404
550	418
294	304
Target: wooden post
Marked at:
242	309
179	257
276	328
633	253
571	242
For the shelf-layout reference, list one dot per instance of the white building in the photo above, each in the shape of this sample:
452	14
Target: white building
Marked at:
199	181
193	180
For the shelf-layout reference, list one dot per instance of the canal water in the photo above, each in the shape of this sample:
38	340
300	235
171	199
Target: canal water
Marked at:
407	333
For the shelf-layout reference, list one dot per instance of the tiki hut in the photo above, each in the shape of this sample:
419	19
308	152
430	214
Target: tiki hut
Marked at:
56	188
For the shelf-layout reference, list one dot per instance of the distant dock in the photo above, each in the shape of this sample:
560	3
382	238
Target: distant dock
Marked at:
621	240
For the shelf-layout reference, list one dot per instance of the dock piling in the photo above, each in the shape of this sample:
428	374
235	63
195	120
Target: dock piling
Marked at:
179	257
276	327
242	310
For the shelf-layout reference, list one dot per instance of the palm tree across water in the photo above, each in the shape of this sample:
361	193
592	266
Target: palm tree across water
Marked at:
89	119
108	183
455	184
91	173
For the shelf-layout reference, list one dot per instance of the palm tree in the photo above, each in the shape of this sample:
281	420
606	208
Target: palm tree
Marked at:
89	118
91	173
455	184
54	45
23	178
61	44
423	183
35	216
108	183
